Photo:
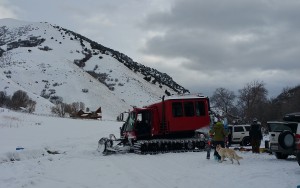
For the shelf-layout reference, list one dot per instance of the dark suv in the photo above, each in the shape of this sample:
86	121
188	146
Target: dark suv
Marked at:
285	136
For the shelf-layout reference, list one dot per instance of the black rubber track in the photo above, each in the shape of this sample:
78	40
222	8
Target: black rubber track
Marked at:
169	146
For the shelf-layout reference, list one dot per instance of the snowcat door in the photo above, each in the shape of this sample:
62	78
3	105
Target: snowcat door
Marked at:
123	128
127	130
143	124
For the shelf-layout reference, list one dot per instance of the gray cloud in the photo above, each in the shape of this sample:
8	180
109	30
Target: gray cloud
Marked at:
228	34
202	44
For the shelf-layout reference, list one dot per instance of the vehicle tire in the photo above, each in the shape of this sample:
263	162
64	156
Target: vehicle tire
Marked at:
201	145
298	157
281	155
190	145
246	141
286	140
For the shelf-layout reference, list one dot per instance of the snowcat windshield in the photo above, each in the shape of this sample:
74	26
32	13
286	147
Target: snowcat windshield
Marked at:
130	121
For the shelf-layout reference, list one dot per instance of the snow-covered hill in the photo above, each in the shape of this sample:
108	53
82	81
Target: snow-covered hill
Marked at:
48	61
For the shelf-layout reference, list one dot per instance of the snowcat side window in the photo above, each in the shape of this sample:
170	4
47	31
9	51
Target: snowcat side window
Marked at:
200	108
189	109
139	117
177	109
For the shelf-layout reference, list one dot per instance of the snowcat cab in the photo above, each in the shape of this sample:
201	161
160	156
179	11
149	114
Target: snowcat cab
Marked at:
165	126
137	125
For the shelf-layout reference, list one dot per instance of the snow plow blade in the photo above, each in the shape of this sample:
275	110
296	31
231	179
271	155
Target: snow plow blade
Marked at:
107	145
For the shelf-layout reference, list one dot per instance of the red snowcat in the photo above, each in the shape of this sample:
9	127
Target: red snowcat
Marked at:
175	124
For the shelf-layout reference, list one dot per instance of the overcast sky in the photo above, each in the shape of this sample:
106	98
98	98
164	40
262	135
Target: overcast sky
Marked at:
201	44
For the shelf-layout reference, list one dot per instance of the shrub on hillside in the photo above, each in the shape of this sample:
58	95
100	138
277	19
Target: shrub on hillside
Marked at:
56	99
3	98
19	100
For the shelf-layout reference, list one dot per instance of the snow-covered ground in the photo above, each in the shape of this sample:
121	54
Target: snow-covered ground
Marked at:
80	165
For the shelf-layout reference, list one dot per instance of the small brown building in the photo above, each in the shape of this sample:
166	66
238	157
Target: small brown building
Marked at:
90	115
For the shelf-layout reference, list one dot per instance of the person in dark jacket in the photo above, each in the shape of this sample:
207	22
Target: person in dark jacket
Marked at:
255	136
218	136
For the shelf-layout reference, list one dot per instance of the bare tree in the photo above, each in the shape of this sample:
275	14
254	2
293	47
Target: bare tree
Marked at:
252	100
59	109
291	101
3	98
75	106
223	99
31	106
287	102
69	109
81	105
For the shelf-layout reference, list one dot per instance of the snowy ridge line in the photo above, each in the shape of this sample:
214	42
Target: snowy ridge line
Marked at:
67	62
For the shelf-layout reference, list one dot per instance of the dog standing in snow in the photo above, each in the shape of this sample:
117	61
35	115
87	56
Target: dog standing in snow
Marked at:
227	153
